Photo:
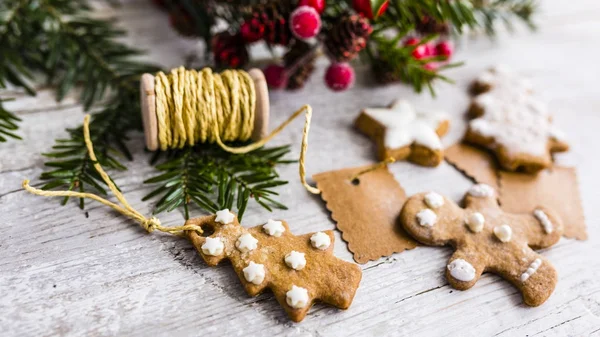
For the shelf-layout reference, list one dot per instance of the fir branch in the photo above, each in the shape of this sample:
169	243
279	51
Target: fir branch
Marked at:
489	12
399	60
214	179
8	124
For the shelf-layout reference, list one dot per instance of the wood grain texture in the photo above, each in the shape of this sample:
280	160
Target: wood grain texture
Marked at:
68	272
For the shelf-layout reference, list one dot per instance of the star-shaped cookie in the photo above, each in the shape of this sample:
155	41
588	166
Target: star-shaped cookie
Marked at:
401	132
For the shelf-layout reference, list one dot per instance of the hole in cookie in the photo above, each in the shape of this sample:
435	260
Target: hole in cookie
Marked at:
207	229
355	182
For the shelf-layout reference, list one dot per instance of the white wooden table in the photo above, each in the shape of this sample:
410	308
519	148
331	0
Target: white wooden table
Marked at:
69	272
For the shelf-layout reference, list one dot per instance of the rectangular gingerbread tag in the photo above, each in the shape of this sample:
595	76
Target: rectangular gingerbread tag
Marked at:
366	211
475	163
555	188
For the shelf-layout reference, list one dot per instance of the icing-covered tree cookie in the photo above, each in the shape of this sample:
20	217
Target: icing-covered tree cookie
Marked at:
508	119
298	269
402	133
486	239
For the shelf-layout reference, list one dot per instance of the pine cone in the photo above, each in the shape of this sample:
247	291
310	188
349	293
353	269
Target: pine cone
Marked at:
229	50
428	25
347	37
271	19
300	62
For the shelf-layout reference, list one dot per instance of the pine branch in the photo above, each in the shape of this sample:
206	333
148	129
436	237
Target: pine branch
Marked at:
8	124
214	179
403	66
488	13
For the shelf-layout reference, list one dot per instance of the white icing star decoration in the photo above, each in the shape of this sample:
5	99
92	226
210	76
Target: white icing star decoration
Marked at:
320	240
254	273
224	216
246	242
297	297
212	246
274	228
426	218
295	260
404	125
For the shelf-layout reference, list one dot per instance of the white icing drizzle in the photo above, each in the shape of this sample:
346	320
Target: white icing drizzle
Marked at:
404	125
426	218
533	267
512	115
434	200
481	191
462	270
543	219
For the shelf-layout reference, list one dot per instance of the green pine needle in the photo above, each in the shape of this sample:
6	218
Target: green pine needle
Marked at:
213	179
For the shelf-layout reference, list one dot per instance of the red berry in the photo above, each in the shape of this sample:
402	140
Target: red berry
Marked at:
252	30
420	52
430	49
305	22
339	76
364	7
431	66
276	76
318	5
445	49
411	41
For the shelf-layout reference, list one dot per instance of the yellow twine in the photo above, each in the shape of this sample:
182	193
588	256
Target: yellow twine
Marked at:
227	103
149	224
374	167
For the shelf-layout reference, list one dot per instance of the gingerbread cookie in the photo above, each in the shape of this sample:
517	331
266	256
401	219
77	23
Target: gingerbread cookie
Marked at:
402	133
487	239
509	120
298	269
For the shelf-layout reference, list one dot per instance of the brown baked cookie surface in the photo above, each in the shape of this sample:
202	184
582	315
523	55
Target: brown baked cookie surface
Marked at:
508	119
298	269
402	133
487	239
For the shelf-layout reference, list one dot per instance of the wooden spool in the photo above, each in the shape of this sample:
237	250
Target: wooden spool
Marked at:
148	103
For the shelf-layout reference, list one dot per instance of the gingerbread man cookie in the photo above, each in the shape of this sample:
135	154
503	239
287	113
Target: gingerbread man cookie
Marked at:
486	239
402	133
298	269
509	120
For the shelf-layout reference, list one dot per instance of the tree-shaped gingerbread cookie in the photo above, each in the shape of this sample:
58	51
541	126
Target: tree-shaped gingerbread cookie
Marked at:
487	239
298	269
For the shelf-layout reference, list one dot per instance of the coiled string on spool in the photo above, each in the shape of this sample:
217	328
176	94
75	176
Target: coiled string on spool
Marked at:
205	107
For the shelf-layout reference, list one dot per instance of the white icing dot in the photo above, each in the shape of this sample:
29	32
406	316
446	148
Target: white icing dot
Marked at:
254	273
481	191
405	126
544	220
297	297
295	260
224	216
274	228
462	270
320	240
503	233
246	242
426	217
475	222
212	246
434	200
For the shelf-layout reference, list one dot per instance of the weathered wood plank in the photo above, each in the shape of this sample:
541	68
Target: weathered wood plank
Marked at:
68	272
